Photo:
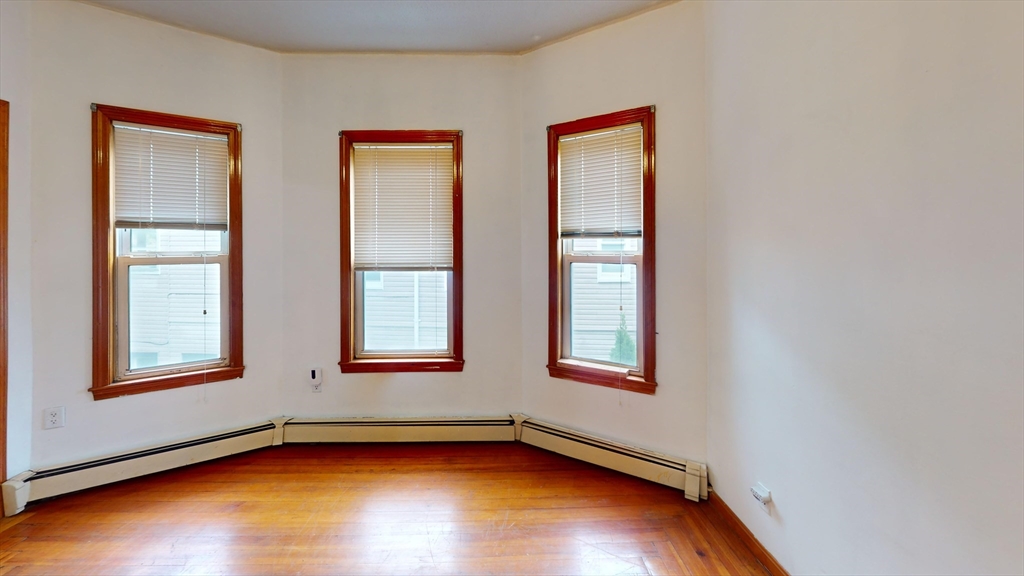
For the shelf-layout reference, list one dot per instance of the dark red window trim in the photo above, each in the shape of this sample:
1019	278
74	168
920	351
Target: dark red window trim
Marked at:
557	367
5	122
104	353
349	363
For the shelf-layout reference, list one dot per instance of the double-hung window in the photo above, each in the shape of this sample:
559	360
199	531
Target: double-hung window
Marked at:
601	250
166	251
401	198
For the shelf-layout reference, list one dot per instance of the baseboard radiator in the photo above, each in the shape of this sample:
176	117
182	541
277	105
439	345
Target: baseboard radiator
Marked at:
686	475
400	430
33	485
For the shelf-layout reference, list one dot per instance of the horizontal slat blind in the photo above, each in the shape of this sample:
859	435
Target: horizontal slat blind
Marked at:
403	207
165	178
600	183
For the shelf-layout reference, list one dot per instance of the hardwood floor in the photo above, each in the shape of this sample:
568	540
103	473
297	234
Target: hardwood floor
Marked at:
494	508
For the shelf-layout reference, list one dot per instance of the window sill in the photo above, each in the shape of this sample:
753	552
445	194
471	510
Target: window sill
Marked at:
609	377
166	382
409	365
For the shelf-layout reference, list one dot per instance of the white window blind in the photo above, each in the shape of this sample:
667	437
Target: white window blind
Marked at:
165	178
403	207
601	183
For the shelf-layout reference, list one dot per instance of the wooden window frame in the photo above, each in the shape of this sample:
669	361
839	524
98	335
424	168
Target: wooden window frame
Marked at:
349	362
104	341
565	368
5	123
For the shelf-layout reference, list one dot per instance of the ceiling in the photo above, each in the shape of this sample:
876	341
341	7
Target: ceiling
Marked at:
493	26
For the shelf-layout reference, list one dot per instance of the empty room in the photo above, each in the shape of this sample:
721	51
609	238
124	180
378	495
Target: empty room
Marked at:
511	287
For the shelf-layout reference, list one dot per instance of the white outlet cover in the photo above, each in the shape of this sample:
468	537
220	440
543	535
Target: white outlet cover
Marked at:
53	418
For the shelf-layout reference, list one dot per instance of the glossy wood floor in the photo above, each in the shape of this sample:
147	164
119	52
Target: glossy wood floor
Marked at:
495	508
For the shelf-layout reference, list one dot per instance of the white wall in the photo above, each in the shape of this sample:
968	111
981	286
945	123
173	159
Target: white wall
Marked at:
16	88
841	322
82	54
660	59
476	94
866	272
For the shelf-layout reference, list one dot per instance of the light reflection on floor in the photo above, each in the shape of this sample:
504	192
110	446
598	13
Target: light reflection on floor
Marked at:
409	525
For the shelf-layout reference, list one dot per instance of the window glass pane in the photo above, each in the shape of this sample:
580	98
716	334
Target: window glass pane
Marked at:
374	280
405	311
173	314
603	314
615	273
605	245
143	360
171	240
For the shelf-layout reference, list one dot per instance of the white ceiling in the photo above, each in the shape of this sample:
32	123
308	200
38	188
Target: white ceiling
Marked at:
506	26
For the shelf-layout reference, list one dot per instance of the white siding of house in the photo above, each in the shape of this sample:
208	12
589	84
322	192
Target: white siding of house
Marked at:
174	313
596	306
391	314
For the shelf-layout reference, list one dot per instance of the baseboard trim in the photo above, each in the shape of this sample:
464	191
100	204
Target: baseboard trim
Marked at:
718	508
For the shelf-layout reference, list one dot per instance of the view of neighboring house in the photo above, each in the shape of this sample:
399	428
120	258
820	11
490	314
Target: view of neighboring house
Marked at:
176	307
405	310
603	297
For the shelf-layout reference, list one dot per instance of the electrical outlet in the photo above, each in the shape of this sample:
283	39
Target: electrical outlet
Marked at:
53	418
316	379
763	497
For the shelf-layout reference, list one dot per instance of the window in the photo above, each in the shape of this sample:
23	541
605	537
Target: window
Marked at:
167	260
373	280
601	250
623	247
401	213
